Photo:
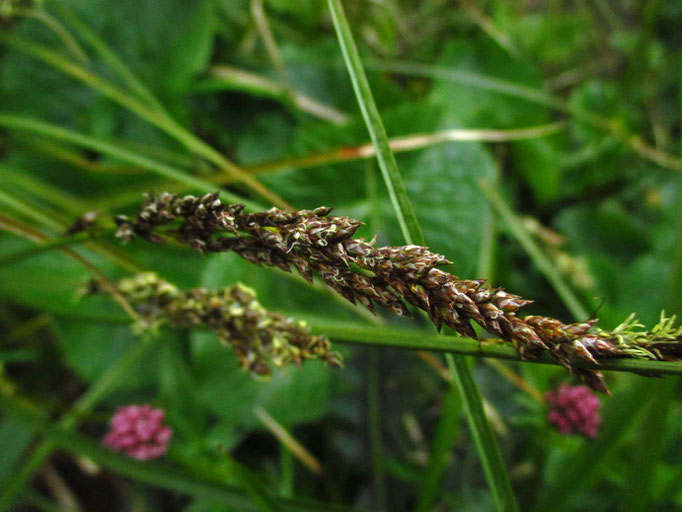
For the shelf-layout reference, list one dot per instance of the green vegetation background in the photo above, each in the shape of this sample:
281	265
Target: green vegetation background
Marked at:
607	180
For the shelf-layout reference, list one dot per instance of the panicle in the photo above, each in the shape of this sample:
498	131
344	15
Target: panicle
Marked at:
261	339
394	278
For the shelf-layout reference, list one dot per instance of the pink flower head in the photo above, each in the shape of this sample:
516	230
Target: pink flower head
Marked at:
139	432
574	409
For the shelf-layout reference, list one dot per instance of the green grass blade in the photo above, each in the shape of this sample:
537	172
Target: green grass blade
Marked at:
28	211
150	114
486	442
36	250
407	217
46	129
108	56
483	434
59	30
49	193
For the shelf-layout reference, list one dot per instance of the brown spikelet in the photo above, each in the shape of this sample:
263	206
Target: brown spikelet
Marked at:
391	277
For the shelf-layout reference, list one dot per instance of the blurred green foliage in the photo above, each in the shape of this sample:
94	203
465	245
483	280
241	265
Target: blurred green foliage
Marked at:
608	182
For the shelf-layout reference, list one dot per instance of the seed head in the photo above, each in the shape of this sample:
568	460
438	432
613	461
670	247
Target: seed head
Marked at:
393	278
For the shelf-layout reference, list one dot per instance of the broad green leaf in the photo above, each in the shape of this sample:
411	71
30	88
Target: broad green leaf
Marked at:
293	395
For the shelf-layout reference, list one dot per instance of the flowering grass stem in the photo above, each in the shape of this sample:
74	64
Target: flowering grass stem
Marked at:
486	443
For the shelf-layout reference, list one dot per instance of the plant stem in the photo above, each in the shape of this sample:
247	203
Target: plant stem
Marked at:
486	443
379	336
420	340
404	211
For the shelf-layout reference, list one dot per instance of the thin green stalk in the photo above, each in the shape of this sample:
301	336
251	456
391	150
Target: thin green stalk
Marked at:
157	118
58	29
98	391
486	443
42	248
49	130
405	213
287	440
484	435
542	262
401	339
28	211
421	340
55	196
108	56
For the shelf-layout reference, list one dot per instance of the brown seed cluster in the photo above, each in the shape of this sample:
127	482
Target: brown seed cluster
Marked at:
260	338
391	277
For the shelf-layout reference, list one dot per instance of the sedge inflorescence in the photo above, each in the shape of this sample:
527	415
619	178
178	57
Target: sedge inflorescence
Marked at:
394	278
139	432
260	338
574	409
